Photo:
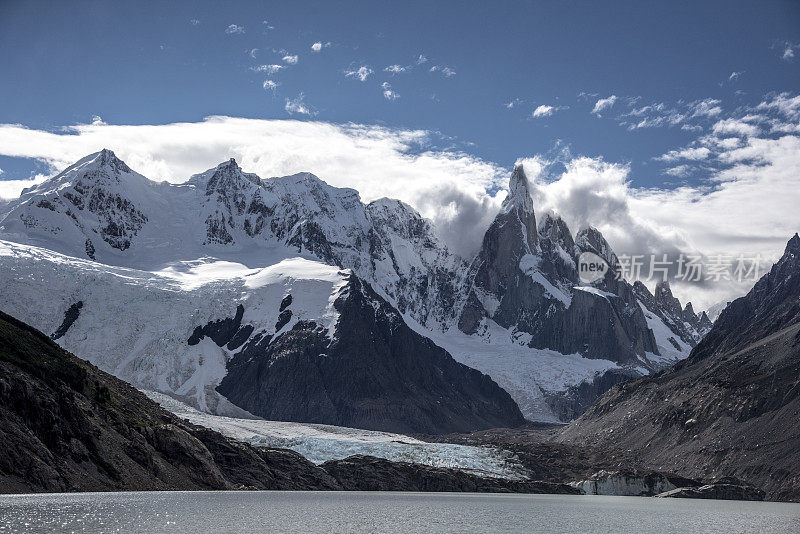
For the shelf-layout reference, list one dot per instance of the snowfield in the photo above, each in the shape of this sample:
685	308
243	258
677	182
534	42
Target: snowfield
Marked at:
320	443
135	324
525	373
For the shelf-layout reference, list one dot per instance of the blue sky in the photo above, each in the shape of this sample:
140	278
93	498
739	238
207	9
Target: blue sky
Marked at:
148	63
669	125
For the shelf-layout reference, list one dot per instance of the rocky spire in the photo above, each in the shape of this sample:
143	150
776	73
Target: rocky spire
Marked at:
590	239
519	203
793	246
519	192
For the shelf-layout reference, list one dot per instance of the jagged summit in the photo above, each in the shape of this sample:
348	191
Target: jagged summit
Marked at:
590	239
793	246
519	192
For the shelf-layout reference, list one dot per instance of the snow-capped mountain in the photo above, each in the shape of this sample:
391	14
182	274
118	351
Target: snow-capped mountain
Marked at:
165	268
525	281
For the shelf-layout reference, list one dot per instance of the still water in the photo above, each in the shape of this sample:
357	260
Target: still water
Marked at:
192	512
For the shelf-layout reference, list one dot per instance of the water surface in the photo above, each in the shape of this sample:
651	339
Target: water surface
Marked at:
359	512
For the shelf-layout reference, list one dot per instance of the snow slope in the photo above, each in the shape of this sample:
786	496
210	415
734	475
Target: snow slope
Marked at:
134	324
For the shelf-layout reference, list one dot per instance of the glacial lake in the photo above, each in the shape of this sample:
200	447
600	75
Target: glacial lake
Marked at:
328	512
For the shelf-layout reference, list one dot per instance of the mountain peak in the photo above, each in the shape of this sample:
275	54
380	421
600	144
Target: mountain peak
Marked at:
519	191
793	246
590	239
107	158
230	164
663	289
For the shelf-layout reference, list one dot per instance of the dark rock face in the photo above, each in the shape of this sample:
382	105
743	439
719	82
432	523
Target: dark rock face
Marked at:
365	473
375	373
578	398
67	426
70	316
221	331
526	279
688	326
495	273
731	408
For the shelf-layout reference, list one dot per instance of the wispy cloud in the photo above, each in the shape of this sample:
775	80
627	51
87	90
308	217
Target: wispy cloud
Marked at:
445	71
267	25
291	60
234	29
194	22
679	171
735	127
708	107
421	59
270	85
395	69
362	73
789	50
694	154
604	104
545	111
269	69
298	105
388	93
511	104
253	52
319	45
735	75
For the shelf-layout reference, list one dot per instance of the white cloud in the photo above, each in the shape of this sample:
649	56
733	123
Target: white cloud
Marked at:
735	76
388	92
446	71
706	108
788	51
233	29
604	104
11	189
543	111
784	103
270	85
253	52
269	69
298	105
291	60
194	22
693	154
735	127
395	69
511	104
362	73
679	171
97	120
422	59
267	25
319	45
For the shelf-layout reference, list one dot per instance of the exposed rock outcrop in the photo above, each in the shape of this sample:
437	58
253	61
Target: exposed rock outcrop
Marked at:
67	426
366	473
731	408
375	373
